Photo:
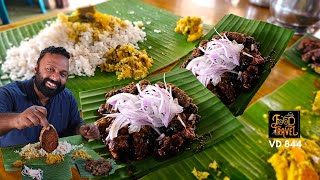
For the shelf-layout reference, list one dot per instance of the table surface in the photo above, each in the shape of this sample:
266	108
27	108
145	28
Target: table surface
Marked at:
211	11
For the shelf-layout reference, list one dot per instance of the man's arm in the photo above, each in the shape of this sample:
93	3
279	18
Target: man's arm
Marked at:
32	116
7	122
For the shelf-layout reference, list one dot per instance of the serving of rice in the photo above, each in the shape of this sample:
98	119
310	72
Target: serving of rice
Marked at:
85	44
30	151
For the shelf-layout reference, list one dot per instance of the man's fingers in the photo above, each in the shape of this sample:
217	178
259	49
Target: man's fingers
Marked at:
41	109
42	119
44	123
41	113
34	119
91	130
30	121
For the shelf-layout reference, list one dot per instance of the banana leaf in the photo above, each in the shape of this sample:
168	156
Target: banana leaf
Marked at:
272	40
216	123
165	47
81	163
56	171
293	55
244	155
9	156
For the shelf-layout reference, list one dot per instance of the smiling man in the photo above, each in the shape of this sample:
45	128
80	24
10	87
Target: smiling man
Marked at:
27	106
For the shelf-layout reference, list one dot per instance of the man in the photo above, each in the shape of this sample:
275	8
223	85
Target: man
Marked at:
27	106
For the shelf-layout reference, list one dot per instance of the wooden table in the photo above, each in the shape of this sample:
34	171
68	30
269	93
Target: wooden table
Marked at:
211	11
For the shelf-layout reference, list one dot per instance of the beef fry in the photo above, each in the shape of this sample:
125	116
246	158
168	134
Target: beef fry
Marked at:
139	145
249	70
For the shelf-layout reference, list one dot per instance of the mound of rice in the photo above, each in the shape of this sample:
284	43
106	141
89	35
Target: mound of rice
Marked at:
30	151
86	51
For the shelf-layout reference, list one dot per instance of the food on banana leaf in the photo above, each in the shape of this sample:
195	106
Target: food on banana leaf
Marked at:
36	174
310	52
87	34
100	167
127	62
49	138
81	154
31	151
214	165
227	65
54	158
316	103
200	174
17	164
204	175
144	119
297	162
191	26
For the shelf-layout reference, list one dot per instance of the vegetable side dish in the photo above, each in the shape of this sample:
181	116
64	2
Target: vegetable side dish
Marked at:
191	26
297	162
127	62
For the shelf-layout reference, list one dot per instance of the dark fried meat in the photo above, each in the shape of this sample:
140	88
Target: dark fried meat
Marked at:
312	56
228	89
308	44
310	52
130	88
105	109
239	37
139	145
100	167
119	147
143	143
196	53
183	99
250	69
102	124
143	84
169	146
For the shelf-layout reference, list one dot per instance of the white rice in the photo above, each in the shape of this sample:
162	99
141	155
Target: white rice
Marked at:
86	55
30	151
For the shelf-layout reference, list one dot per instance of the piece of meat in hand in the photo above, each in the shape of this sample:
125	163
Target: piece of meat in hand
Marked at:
49	138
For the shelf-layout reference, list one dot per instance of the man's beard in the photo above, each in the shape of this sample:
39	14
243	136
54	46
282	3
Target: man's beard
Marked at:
41	85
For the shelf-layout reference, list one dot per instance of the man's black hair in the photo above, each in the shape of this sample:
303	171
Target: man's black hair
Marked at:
54	50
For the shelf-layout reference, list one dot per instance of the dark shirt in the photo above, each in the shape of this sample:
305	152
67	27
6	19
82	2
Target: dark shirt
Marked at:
62	111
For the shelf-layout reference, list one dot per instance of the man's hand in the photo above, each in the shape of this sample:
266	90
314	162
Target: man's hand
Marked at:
33	116
89	131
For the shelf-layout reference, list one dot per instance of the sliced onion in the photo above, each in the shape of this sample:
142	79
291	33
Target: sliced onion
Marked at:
153	106
220	56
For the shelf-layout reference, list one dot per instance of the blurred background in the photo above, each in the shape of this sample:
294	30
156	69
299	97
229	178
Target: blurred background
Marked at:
299	15
20	10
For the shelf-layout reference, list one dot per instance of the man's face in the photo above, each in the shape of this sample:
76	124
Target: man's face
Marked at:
51	74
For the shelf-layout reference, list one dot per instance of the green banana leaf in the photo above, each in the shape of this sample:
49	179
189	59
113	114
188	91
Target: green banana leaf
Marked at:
244	155
9	156
272	39
166	47
293	55
81	163
56	171
216	123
